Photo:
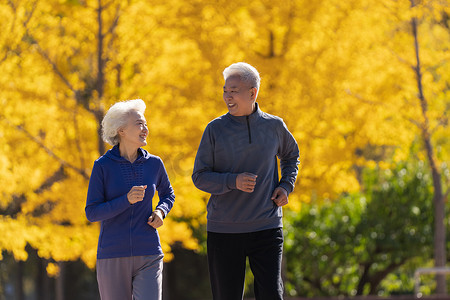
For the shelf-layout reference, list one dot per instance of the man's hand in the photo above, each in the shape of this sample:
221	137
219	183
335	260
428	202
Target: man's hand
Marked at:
136	194
246	182
156	219
280	196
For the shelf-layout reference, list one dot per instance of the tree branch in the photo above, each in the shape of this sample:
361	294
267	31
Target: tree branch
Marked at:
287	36
25	23
376	279
46	149
442	121
115	22
54	67
314	283
362	99
8	46
15	206
112	28
418	124
78	139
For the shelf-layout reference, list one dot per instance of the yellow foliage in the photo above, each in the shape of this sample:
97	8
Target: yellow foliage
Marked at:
338	72
14	237
52	270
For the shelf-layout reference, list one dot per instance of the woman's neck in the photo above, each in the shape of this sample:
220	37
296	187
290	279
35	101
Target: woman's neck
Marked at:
128	152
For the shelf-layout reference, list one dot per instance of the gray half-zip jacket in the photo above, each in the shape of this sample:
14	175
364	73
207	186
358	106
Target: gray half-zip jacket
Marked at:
232	145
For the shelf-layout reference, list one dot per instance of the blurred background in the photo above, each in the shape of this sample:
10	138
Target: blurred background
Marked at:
363	85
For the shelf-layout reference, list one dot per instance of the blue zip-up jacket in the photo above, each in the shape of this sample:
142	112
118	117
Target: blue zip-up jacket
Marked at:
232	145
124	230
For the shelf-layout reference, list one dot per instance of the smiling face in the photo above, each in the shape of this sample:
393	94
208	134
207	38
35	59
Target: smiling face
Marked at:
135	132
239	96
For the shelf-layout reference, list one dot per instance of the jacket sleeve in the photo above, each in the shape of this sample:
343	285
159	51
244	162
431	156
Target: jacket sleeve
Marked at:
97	207
204	176
288	153
165	191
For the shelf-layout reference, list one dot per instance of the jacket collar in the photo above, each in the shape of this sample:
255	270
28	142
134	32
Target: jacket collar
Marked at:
114	154
251	118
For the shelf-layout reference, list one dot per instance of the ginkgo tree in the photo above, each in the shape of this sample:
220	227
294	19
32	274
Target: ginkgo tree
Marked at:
338	72
71	60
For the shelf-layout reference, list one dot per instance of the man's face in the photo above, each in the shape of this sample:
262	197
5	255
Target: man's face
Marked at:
239	96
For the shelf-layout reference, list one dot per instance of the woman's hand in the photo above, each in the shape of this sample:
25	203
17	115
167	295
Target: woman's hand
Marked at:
156	219
136	194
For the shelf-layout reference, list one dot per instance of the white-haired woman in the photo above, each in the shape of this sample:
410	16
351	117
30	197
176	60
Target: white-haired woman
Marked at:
122	185
236	163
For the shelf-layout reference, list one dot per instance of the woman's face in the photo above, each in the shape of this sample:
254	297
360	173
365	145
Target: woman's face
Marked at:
239	96
135	132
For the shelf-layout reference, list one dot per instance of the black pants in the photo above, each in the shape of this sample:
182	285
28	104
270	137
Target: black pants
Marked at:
227	253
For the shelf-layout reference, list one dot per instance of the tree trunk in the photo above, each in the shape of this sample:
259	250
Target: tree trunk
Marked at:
42	280
20	295
167	295
363	279
101	145
59	284
100	78
438	198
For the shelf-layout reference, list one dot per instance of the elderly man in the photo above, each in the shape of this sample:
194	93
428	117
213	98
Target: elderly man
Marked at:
236	163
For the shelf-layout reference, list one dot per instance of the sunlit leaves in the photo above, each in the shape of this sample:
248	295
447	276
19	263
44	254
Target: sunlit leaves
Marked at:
338	73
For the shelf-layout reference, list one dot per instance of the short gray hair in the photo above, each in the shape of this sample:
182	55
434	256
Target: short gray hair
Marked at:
117	117
247	73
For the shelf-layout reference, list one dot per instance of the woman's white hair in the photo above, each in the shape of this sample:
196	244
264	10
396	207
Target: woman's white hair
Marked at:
117	117
247	73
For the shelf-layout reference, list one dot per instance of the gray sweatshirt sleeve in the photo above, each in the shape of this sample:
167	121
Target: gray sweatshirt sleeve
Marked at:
204	176
288	153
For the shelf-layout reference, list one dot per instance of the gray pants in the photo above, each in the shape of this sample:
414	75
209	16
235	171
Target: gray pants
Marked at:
126	278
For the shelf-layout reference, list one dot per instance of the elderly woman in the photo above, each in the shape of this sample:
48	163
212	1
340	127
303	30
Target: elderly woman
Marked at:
236	163
121	188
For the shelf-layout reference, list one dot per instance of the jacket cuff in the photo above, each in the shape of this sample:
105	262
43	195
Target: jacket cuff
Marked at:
125	197
231	181
164	212
286	186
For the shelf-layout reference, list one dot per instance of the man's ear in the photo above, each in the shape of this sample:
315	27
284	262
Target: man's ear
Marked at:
254	93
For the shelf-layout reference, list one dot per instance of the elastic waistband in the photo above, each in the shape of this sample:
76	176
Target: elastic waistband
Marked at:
241	227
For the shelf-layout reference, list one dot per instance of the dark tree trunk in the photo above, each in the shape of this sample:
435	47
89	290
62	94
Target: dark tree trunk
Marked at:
100	77
42	280
438	197
20	295
59	284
